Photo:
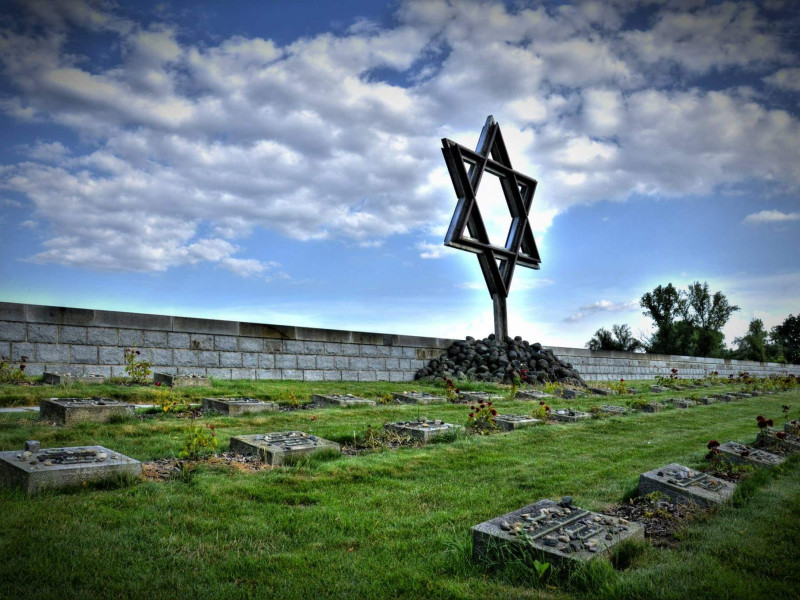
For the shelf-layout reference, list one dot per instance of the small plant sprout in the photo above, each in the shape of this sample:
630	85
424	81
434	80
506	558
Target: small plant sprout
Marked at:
451	392
541	568
482	419
137	369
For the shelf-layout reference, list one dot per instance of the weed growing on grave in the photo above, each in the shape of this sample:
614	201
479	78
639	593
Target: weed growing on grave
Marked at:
638	403
293	401
386	399
619	387
10	373
381	438
137	369
553	388
166	400
200	441
482	418
451	392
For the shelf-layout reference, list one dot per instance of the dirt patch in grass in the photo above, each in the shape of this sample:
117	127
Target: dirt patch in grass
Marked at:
661	518
171	468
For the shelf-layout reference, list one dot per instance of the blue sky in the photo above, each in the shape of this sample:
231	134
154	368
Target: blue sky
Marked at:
280	161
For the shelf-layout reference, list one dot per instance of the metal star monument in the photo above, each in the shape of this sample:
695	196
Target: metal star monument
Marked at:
467	230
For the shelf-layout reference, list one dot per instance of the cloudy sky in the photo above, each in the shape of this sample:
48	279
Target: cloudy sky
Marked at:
280	162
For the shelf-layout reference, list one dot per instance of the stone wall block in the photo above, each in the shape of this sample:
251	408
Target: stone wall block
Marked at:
178	340
52	353
218	373
396	376
34	370
71	335
20	349
376	364
349	375
131	338
12	331
227	343
326	362
273	346
248	344
334	348
185	358
155	339
266	361
396	352
230	359
307	362
41	333
358	364
5	349
268	374
199	371
286	361
201	341
341	362
292	374
294	346
385	351
369	350
84	355
332	375
112	355
367	376
314	347
313	375
392	364
243	373
207	358
161	357
250	360
351	350
103	336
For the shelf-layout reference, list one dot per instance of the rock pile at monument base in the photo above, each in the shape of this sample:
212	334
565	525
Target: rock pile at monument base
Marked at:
492	360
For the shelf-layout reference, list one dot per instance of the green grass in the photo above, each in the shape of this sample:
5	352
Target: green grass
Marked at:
391	523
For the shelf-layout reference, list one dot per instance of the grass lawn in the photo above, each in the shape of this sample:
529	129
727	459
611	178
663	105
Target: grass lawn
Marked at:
387	523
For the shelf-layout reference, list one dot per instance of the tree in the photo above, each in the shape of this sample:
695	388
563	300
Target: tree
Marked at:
787	336
620	340
753	345
688	323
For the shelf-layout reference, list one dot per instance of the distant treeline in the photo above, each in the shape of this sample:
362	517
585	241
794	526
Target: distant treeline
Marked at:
690	322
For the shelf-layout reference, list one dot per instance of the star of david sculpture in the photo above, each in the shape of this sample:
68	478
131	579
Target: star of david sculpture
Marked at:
467	230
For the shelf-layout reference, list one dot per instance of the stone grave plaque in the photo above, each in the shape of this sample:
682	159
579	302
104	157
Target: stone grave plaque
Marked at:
422	429
418	398
569	415
683	402
341	400
512	422
68	411
740	454
611	409
658	389
652	407
792	427
476	397
68	378
273	448
599	391
35	469
707	400
769	438
741	394
724	398
234	407
685	485
557	530
181	380
532	395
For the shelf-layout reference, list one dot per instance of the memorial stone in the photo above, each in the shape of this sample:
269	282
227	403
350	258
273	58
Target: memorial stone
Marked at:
685	485
35	469
707	400
422	429
273	448
418	398
613	410
476	397
787	442
556	530
740	454
569	415
658	389
69	378
532	395
181	380
68	411
683	402
341	400
512	422
234	407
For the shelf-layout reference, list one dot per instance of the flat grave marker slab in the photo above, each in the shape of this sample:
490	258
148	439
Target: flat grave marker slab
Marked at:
34	468
418	398
707	400
181	380
724	398
273	448
569	415
739	454
478	397
792	427
611	409
685	485
683	402
68	411
68	378
741	394
599	391
788	441
512	422
658	389
422	429
652	407
234	407
558	530
341	400
532	395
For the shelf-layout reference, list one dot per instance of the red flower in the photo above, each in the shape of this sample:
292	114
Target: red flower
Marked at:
762	424
313	418
621	380
457	391
547	408
473	408
541	403
494	413
770	422
781	435
712	444
488	404
471	415
760	418
158	384
22	367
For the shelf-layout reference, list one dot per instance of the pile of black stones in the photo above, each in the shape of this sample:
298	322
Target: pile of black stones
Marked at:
492	360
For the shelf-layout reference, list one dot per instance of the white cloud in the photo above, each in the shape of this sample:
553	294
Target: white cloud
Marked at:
304	141
601	306
770	216
787	79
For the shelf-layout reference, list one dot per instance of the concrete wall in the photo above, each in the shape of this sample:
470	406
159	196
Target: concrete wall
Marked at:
83	341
